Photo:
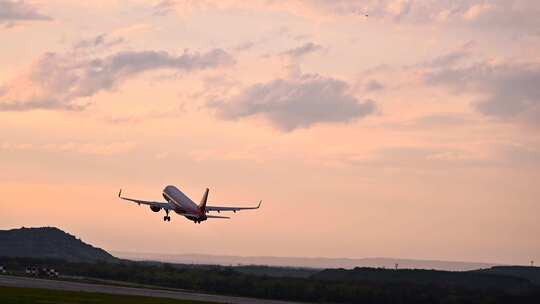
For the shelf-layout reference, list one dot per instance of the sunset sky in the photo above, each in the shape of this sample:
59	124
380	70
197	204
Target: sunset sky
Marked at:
412	132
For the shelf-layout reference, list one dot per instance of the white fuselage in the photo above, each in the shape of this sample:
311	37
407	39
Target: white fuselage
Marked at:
182	204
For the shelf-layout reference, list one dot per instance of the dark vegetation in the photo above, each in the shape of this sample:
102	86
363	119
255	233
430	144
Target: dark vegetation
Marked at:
49	242
278	272
530	273
360	285
10	295
448	279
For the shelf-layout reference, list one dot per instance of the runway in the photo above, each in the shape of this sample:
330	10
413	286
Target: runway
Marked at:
25	282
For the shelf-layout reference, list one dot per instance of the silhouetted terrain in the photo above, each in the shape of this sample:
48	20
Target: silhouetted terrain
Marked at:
361	285
72	257
49	242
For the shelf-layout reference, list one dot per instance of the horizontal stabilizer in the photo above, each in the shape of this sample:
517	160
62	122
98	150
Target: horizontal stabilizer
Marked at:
217	216
233	209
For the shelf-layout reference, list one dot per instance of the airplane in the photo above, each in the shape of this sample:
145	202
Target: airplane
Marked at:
178	202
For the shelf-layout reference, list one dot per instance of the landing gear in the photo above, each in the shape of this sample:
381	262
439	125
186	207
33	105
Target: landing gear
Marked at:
167	218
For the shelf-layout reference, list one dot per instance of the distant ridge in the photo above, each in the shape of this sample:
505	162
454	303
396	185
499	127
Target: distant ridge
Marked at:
49	242
322	263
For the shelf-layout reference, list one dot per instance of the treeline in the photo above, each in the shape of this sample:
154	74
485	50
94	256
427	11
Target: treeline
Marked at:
320	287
472	279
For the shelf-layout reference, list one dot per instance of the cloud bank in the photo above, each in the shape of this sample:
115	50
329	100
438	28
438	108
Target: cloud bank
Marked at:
58	81
13	11
509	91
289	104
515	14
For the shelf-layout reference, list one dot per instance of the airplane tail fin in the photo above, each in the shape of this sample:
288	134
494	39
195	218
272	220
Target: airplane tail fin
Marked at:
202	205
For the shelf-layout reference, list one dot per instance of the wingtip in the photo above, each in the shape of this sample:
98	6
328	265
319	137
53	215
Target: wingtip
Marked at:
120	193
260	203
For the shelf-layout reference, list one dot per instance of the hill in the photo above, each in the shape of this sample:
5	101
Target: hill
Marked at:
49	242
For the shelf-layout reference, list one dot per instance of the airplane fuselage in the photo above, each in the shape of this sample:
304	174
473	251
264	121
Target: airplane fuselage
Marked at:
182	204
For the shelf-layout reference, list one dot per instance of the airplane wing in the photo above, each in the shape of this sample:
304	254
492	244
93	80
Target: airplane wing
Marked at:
165	206
233	209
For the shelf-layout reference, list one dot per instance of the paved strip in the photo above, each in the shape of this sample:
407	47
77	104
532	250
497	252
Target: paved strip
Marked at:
25	282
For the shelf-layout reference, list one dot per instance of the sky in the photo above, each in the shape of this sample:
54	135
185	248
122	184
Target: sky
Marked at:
377	128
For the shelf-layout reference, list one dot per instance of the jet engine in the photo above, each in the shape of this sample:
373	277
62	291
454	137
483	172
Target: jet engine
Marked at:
155	208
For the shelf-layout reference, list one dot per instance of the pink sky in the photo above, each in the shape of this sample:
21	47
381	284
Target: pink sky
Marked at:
411	133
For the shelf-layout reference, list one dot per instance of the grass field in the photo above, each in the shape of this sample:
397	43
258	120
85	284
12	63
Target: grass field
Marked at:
10	295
